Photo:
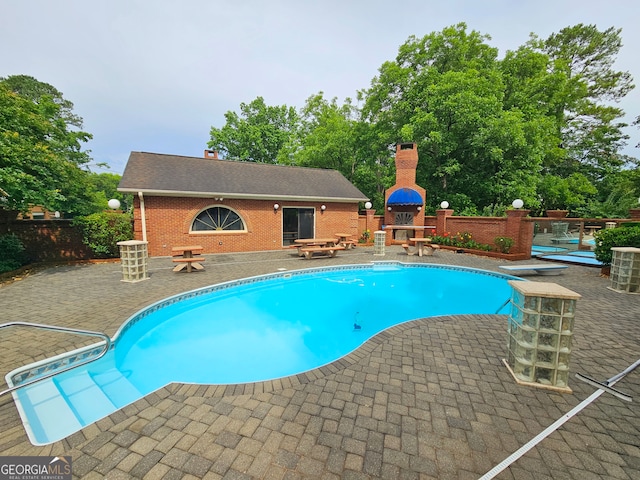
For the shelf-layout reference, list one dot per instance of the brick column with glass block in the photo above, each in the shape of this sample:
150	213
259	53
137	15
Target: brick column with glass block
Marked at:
625	270
379	241
540	331
133	258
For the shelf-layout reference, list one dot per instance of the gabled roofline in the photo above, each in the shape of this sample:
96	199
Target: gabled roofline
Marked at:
303	198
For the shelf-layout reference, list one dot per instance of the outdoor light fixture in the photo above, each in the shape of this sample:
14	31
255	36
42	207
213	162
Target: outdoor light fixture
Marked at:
323	208
419	207
444	204
389	208
367	205
517	203
275	207
114	204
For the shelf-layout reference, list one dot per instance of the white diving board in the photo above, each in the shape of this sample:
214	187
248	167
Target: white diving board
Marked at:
539	268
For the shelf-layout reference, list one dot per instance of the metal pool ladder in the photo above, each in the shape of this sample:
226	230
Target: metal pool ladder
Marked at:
77	331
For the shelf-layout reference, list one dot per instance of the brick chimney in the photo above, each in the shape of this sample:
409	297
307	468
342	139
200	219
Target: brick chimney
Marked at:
406	164
213	154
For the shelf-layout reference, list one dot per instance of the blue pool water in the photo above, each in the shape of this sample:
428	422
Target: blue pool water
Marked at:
252	330
591	241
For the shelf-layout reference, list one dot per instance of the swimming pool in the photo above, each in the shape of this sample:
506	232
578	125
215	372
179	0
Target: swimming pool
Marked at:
249	330
590	241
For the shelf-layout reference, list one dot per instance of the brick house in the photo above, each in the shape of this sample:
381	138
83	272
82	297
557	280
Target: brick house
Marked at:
234	206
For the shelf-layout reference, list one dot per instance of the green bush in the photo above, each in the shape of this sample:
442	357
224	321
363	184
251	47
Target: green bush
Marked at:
101	232
615	237
504	244
12	254
462	240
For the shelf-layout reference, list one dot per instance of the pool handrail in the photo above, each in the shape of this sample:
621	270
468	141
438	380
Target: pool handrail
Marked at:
77	331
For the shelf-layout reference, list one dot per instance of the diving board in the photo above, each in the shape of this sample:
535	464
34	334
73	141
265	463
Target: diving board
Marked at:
539	268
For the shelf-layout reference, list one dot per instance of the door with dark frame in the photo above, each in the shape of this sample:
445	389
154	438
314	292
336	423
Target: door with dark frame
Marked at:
297	223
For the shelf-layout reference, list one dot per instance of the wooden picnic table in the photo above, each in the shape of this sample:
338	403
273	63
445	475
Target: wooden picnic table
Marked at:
301	243
186	259
344	239
422	246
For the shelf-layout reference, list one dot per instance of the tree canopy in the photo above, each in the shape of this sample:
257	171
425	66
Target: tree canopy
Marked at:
541	124
257	134
41	155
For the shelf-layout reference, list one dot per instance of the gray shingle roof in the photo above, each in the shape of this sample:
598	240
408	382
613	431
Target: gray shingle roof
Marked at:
175	175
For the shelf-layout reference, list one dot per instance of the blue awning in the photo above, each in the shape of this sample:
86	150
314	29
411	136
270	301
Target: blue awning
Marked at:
405	196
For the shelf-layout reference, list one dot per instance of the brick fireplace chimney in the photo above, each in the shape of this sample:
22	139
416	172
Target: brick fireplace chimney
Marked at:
213	154
406	164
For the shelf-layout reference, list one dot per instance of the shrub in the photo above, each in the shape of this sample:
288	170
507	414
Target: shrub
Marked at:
101	232
504	244
615	237
12	254
444	239
463	240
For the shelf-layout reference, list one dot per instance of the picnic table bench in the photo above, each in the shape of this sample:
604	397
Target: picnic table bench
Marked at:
185	258
302	243
344	239
539	268
190	263
423	246
330	251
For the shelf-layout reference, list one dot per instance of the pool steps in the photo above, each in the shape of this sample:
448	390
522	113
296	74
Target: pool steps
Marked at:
69	404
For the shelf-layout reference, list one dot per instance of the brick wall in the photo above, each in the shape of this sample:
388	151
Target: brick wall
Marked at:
483	229
486	229
168	221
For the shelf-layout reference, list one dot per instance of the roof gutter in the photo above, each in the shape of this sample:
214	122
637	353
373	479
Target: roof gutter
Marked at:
243	196
144	217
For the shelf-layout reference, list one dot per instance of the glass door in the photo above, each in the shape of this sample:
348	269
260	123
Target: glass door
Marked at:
297	223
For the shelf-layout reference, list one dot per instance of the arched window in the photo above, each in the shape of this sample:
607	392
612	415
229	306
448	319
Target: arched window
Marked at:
217	219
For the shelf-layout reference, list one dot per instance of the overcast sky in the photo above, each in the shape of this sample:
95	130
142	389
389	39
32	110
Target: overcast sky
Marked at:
155	75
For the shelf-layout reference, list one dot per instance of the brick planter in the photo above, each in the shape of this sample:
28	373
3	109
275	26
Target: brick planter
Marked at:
557	213
484	253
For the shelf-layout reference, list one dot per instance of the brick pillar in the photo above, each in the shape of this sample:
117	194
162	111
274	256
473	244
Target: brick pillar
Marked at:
441	220
368	223
520	231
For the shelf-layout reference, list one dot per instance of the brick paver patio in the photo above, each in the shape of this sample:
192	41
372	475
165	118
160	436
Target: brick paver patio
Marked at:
426	399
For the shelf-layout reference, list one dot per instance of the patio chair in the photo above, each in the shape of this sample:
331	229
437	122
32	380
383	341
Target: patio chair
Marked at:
559	232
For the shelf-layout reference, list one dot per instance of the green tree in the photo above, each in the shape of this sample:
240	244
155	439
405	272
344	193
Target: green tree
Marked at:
325	137
257	134
584	107
333	136
446	92
41	149
106	187
617	193
571	192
